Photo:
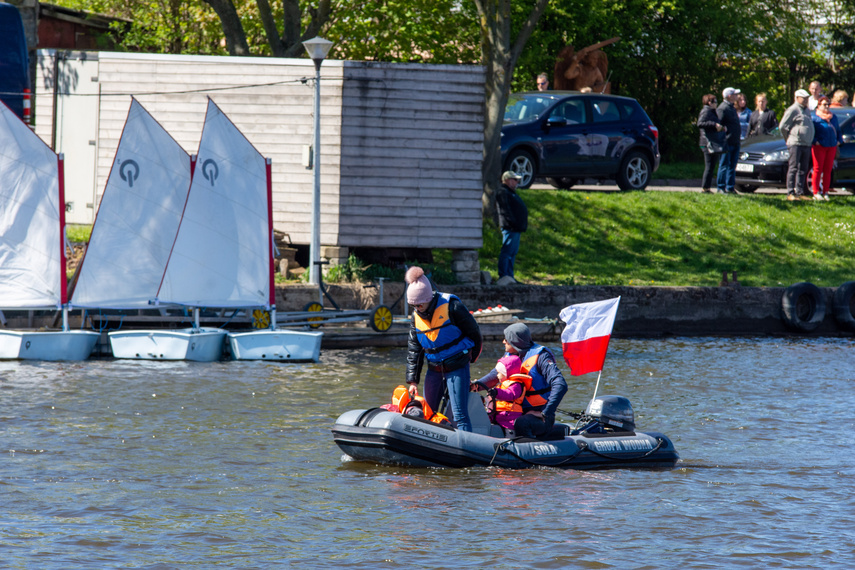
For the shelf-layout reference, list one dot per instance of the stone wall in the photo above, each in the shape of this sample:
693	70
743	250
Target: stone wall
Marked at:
644	311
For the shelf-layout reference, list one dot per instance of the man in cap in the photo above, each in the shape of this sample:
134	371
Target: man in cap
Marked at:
727	115
513	219
443	333
547	383
798	130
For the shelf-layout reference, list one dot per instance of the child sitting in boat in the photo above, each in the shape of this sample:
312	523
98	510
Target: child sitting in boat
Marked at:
504	404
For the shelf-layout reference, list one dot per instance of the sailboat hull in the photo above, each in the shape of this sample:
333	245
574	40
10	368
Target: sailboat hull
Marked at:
47	345
277	345
199	345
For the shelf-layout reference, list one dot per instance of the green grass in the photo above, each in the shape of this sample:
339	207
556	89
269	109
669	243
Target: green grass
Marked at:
679	238
680	170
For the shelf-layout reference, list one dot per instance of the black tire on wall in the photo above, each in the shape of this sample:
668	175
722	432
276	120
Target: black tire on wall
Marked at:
803	307
844	306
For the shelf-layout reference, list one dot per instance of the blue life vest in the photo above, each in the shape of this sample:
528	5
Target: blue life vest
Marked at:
536	396
439	337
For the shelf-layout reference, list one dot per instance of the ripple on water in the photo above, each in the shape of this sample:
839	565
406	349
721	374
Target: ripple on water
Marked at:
168	465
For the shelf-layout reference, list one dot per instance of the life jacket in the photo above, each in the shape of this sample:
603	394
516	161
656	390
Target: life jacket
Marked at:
439	338
402	401
537	393
516	405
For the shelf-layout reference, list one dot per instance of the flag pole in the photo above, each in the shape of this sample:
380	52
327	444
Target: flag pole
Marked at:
597	385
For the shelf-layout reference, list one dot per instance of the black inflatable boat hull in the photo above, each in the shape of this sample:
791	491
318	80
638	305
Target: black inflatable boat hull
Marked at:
389	438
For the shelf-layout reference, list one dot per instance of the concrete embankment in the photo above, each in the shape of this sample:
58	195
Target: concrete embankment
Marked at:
644	311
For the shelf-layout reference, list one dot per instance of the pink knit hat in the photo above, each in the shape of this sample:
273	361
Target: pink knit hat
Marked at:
509	365
419	290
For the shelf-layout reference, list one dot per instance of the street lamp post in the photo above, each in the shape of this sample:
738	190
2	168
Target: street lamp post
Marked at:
318	49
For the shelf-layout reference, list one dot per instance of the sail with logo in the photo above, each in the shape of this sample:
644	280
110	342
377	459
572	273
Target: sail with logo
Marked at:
133	234
223	255
32	245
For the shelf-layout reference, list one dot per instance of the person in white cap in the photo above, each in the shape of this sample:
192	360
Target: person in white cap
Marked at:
726	180
798	130
445	334
513	219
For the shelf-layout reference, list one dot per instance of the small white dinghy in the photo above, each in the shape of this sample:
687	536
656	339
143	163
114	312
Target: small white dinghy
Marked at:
134	232
32	244
224	254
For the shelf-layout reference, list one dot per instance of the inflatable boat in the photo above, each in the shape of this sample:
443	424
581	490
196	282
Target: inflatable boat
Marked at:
603	438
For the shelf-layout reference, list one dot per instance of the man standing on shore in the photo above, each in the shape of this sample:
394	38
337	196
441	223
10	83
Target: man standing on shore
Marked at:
729	119
797	128
513	219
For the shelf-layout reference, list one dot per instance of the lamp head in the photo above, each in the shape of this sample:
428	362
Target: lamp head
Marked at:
318	48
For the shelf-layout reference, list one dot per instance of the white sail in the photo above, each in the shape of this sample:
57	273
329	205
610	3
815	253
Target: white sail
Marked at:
222	255
32	272
137	219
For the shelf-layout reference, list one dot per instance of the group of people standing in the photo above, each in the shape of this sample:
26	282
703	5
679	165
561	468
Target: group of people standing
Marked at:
812	133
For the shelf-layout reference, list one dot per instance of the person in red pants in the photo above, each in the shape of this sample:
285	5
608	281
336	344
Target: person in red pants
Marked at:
826	139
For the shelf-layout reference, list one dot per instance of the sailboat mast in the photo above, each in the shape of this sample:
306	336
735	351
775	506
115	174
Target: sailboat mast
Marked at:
272	297
63	279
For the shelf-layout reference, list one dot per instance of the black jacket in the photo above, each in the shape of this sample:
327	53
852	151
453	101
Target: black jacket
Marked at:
460	317
707	121
728	117
513	215
762	123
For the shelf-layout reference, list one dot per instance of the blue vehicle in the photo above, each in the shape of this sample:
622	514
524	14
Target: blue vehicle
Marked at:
567	136
14	60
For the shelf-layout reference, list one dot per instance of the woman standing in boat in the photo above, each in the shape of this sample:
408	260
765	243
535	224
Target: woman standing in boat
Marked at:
444	333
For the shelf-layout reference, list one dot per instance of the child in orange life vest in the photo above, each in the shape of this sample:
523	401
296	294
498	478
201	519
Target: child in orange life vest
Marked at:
508	395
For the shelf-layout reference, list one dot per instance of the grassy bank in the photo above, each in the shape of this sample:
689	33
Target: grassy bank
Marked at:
679	238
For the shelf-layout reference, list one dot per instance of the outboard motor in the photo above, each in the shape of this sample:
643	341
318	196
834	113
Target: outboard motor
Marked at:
614	412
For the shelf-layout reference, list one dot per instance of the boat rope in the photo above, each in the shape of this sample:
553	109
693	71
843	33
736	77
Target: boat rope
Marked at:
659	443
104	322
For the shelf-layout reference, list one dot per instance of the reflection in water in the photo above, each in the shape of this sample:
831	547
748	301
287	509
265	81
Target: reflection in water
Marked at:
161	464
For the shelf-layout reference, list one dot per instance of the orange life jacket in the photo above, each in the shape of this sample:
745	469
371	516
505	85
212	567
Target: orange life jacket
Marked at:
516	405
402	400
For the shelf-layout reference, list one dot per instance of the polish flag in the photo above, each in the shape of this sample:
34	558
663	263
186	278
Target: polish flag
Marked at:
586	337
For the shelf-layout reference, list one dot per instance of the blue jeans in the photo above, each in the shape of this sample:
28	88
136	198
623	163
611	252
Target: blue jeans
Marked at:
457	382
508	253
726	180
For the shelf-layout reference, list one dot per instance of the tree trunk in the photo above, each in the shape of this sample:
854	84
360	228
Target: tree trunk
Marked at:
499	58
232	27
292	39
270	29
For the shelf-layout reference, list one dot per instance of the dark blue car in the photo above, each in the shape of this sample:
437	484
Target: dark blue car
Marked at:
566	136
14	61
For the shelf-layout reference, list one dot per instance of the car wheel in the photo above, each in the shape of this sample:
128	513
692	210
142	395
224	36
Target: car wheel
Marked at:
522	163
562	182
747	188
634	173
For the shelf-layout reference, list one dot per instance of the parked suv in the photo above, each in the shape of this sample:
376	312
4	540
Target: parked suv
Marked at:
566	136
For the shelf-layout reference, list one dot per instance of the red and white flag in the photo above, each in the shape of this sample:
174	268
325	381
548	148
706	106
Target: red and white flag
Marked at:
586	337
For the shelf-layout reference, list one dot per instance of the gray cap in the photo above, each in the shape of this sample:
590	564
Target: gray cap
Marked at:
518	336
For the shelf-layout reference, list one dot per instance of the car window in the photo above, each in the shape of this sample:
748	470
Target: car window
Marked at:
573	110
632	111
605	110
526	108
848	128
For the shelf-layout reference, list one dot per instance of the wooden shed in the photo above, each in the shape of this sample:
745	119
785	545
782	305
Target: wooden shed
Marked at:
401	144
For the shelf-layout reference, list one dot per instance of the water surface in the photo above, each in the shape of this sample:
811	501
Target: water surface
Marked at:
119	464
